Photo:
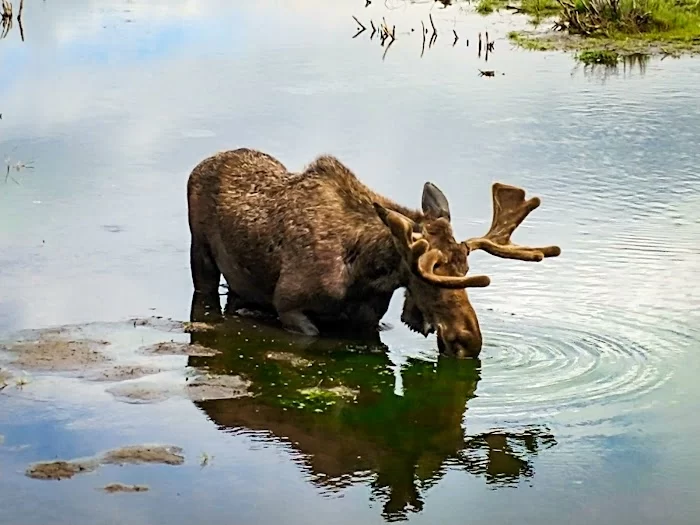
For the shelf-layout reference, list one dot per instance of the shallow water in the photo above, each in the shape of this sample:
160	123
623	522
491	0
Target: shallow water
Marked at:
583	405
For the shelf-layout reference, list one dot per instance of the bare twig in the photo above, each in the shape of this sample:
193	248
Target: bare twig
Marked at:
359	23
456	38
434	36
424	32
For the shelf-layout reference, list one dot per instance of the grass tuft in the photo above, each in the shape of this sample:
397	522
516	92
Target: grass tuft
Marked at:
600	56
618	18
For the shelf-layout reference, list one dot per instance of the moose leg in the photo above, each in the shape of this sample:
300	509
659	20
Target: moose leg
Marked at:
205	278
320	290
289	301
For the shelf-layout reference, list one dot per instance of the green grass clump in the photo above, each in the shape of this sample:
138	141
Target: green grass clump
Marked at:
602	57
485	7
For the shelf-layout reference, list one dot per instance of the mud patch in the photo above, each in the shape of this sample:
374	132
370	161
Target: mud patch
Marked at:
344	392
168	455
57	470
207	387
120	487
288	357
131	455
186	349
51	352
123	373
160	323
141	393
197	327
5	378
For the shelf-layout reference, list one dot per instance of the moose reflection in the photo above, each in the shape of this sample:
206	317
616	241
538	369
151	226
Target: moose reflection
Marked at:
335	403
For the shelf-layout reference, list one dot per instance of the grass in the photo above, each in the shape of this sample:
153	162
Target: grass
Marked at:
624	18
623	26
602	57
534	8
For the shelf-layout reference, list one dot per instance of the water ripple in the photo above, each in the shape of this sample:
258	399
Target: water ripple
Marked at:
548	368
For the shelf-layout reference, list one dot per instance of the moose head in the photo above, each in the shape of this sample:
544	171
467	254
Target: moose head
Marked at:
437	265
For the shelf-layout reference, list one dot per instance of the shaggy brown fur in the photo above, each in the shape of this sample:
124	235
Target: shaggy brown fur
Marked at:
319	248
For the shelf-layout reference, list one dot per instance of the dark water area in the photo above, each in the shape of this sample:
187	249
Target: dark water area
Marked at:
583	404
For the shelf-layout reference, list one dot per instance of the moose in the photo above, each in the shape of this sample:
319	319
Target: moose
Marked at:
318	248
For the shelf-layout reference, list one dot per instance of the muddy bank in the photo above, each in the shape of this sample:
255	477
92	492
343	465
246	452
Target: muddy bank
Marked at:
559	41
130	455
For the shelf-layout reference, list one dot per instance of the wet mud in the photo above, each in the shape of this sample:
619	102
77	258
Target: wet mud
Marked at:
120	487
122	373
186	349
55	352
58	470
130	455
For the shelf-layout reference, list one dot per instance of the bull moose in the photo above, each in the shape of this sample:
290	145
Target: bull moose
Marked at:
318	248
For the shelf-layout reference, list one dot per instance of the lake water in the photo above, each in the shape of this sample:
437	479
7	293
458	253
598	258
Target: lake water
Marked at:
583	406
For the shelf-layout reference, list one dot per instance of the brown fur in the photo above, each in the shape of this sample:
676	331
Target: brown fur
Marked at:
312	248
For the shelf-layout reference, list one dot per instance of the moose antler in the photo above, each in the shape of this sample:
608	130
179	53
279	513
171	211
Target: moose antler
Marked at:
423	258
509	210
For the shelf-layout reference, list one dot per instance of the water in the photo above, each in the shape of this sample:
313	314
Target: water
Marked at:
583	405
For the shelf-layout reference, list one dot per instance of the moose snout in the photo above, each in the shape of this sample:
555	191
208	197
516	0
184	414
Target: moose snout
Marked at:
461	344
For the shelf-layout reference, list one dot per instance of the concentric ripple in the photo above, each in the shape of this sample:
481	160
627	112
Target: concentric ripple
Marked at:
536	369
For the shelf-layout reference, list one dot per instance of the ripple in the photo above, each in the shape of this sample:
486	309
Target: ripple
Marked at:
543	369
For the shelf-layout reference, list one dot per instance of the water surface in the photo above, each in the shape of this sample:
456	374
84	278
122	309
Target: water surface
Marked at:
583	404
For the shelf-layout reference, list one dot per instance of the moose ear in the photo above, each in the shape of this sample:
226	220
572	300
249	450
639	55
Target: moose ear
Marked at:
400	225
434	202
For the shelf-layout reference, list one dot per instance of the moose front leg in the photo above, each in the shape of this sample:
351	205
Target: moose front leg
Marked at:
317	286
206	305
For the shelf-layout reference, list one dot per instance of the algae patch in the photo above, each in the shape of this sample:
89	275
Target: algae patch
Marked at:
319	399
289	357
